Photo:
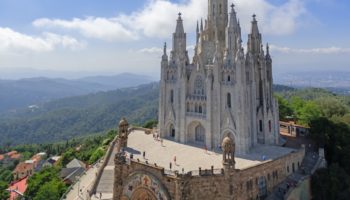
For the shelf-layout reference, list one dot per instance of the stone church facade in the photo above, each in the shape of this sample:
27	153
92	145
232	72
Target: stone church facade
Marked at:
221	98
223	91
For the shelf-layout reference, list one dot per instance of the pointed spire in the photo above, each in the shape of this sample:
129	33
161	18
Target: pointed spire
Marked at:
197	33
254	38
268	51
255	29
197	29
164	49
233	18
179	25
165	56
201	24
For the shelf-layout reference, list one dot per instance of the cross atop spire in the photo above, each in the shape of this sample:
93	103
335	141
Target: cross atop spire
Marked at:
180	14
232	5
254	17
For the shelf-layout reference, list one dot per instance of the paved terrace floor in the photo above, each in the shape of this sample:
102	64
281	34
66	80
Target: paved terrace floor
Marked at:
190	157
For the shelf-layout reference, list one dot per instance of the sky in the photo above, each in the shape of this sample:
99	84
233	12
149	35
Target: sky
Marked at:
93	37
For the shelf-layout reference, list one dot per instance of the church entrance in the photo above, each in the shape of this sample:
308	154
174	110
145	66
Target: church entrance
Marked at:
172	131
196	133
199	133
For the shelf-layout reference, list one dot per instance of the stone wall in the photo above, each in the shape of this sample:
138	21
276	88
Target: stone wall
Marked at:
228	184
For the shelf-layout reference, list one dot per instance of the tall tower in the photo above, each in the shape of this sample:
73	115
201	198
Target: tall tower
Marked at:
217	19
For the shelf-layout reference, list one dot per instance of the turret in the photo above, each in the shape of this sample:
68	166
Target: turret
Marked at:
254	38
165	56
197	33
232	33
179	37
217	19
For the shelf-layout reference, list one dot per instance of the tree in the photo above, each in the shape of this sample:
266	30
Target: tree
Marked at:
52	190
38	180
3	193
285	109
331	106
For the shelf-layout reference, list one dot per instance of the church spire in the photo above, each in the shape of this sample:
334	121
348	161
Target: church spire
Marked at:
165	56
254	38
179	37
233	18
254	30
197	33
201	25
179	26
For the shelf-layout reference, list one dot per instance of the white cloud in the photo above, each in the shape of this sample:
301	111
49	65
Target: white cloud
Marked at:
158	19
152	50
273	20
328	50
11	40
109	29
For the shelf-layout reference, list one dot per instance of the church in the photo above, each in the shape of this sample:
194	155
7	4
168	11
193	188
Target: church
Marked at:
224	91
218	131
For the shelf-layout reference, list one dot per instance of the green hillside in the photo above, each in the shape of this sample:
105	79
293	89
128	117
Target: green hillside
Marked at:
76	116
83	115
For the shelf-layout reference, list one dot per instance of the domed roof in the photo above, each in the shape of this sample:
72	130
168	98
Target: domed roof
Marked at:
123	122
227	144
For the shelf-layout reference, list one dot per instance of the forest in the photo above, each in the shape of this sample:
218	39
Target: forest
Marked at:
328	116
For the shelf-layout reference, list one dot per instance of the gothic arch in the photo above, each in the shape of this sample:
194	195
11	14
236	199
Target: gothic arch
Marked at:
142	185
196	133
170	130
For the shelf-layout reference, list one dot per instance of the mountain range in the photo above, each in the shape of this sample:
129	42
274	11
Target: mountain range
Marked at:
15	94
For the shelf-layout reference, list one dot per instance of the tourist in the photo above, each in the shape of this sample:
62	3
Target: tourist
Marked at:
170	165
175	160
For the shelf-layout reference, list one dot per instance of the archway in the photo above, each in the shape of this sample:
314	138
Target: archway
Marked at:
143	193
262	187
199	133
196	133
142	185
172	131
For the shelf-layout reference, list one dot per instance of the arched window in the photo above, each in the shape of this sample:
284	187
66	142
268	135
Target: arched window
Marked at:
220	8
188	107
213	9
172	96
199	86
270	126
200	109
199	133
228	78
260	125
262	187
229	100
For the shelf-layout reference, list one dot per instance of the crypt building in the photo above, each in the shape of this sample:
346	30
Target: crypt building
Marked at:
224	90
